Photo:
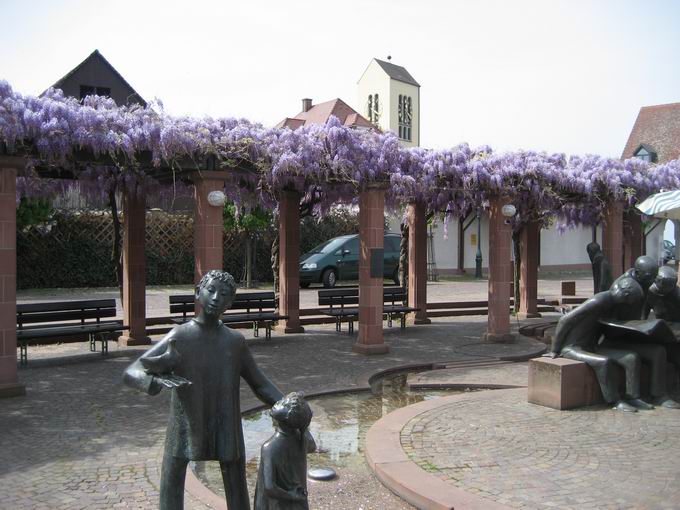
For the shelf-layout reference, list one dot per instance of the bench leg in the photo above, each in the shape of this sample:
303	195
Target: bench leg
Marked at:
256	329
93	344
403	321
351	326
268	331
338	324
23	354
105	343
389	320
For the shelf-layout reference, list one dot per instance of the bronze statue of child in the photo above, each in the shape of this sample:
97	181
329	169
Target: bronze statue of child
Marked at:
202	362
282	474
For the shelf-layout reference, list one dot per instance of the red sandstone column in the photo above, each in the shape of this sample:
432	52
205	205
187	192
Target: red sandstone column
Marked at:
528	271
9	383
417	261
134	269
612	237
632	240
371	236
500	274
289	261
208	226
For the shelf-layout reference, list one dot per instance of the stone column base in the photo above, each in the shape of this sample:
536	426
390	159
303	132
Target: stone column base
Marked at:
12	390
528	315
422	321
128	341
370	348
499	338
284	328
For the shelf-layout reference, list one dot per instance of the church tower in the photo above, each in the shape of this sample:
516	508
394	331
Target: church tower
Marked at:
389	97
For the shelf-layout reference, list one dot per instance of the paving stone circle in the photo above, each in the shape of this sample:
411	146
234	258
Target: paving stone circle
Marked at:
528	456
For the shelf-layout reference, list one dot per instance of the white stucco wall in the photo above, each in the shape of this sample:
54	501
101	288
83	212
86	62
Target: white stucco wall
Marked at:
558	251
568	248
654	239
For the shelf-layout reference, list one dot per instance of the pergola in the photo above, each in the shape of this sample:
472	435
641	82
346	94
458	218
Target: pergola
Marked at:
208	247
281	166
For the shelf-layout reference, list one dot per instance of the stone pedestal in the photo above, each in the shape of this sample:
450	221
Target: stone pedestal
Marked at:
568	288
371	239
417	262
289	261
9	384
566	384
134	269
500	274
562	384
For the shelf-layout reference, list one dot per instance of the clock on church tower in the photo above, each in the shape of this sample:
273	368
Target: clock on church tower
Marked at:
389	97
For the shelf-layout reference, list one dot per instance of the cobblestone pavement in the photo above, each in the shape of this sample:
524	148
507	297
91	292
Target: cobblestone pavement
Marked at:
79	439
527	456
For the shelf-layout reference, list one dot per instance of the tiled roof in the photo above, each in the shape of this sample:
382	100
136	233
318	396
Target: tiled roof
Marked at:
656	127
95	55
320	113
291	123
397	72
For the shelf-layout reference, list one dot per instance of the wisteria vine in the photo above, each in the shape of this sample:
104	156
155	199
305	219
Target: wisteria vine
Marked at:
327	164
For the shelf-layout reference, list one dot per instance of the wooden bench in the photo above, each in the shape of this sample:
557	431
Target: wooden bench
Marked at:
394	299
260	307
47	323
343	303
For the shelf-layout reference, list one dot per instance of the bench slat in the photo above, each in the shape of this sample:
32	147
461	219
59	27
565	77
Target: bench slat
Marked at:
73	315
66	305
26	334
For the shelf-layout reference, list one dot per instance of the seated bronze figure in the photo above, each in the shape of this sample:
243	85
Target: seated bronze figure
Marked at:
578	336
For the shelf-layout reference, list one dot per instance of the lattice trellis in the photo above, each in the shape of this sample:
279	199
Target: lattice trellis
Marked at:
74	249
169	234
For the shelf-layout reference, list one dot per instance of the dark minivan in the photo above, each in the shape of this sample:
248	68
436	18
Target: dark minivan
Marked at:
338	259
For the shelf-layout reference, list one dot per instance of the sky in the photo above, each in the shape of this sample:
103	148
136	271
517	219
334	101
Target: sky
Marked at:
555	75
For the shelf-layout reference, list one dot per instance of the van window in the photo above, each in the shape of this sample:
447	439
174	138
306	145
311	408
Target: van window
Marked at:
329	246
352	245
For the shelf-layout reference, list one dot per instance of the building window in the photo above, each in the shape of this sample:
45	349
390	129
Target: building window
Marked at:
645	154
405	114
89	90
373	108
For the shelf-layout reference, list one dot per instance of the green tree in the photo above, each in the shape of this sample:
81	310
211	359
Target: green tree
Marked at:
253	224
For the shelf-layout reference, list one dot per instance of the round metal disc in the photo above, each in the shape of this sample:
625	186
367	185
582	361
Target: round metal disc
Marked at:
322	473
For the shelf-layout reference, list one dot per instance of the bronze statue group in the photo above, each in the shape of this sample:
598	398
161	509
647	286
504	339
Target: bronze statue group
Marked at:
203	361
613	329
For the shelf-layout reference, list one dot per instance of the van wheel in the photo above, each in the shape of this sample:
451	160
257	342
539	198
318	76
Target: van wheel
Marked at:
328	278
395	276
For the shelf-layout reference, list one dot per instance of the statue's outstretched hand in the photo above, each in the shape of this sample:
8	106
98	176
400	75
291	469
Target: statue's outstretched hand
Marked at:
172	381
550	354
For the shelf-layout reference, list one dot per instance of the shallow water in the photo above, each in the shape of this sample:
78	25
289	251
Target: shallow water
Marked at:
339	427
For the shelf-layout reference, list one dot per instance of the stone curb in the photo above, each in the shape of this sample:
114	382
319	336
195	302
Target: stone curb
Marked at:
405	478
196	489
206	496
